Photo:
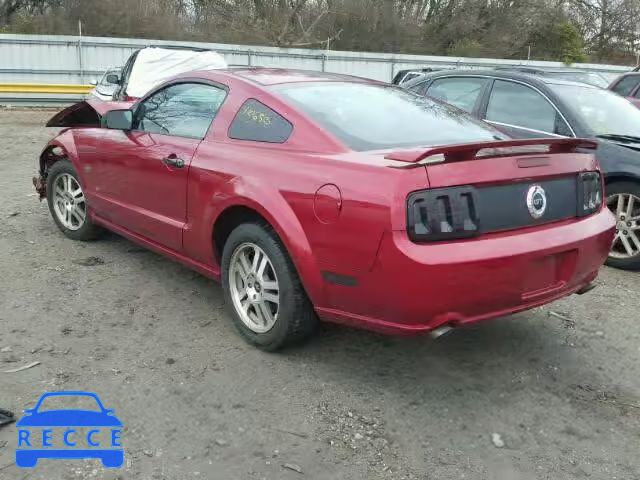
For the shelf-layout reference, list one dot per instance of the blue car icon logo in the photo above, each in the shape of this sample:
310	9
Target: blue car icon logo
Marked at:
41	432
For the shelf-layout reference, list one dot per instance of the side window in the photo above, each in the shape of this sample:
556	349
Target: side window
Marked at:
520	106
257	122
626	85
181	110
462	92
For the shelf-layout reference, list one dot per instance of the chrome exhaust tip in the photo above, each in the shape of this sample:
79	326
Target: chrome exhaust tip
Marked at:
440	331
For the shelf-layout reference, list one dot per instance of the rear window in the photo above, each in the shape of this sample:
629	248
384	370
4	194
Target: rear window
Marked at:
375	117
259	123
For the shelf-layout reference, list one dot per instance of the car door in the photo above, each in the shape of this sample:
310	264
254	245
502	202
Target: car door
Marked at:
141	174
522	111
462	92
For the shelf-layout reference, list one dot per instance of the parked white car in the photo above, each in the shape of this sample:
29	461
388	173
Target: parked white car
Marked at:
150	66
106	86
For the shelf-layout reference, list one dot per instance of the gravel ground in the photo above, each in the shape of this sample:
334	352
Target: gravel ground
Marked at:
553	393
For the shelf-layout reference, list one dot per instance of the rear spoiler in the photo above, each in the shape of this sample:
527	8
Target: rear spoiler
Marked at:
471	151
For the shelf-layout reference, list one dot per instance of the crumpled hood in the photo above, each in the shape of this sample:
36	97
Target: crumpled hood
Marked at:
85	114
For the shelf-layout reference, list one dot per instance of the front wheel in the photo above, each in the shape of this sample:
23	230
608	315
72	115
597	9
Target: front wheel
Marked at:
623	199
264	294
67	203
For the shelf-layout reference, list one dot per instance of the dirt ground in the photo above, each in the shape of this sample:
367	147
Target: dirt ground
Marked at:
560	385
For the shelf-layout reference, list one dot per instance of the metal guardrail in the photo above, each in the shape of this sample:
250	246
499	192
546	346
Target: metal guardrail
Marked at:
54	88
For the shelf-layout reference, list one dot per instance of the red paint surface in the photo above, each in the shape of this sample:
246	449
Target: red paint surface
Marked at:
402	287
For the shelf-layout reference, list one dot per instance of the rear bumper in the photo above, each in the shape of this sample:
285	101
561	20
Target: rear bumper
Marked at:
413	288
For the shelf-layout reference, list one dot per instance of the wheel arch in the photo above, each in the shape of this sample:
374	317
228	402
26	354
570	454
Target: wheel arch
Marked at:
61	147
287	227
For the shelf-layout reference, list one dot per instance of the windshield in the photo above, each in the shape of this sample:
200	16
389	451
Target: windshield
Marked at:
603	112
376	117
582	77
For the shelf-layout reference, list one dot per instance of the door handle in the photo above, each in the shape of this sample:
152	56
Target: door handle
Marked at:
173	161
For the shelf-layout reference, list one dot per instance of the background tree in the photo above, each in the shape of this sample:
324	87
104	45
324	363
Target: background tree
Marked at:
565	30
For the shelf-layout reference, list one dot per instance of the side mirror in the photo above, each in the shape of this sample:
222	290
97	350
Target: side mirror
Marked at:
118	119
113	78
93	82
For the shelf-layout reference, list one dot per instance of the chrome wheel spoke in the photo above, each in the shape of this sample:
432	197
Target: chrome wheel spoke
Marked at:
627	245
271	297
245	304
78	214
635	240
261	268
270	285
630	206
620	206
264	313
243	266
257	254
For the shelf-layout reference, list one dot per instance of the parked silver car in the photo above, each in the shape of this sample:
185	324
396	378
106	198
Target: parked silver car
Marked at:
106	86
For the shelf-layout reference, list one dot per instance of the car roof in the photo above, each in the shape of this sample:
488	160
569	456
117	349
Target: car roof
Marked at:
525	68
274	76
532	79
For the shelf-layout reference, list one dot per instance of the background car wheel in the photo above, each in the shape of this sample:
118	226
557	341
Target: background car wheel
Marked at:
266	299
67	202
623	199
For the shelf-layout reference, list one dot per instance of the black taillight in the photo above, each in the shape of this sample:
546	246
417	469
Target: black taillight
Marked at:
443	214
589	193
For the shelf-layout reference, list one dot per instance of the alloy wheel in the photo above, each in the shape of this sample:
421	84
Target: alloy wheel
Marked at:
68	202
626	208
254	287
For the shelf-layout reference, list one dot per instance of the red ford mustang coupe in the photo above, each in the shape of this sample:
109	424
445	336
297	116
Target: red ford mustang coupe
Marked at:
312	195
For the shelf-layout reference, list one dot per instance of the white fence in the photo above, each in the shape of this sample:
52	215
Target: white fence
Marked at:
76	60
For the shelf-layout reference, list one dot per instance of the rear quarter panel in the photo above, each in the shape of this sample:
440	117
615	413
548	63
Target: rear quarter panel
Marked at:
322	233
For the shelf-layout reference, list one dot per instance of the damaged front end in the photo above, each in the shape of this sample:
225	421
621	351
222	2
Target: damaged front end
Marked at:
86	114
49	156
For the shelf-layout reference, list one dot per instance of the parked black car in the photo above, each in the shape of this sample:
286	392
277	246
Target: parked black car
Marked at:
404	76
527	106
572	74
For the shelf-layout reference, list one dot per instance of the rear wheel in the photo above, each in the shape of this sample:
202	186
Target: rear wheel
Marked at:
265	296
623	199
67	203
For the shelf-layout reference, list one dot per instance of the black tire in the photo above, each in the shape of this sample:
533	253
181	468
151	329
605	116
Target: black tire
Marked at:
88	230
296	319
633	188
